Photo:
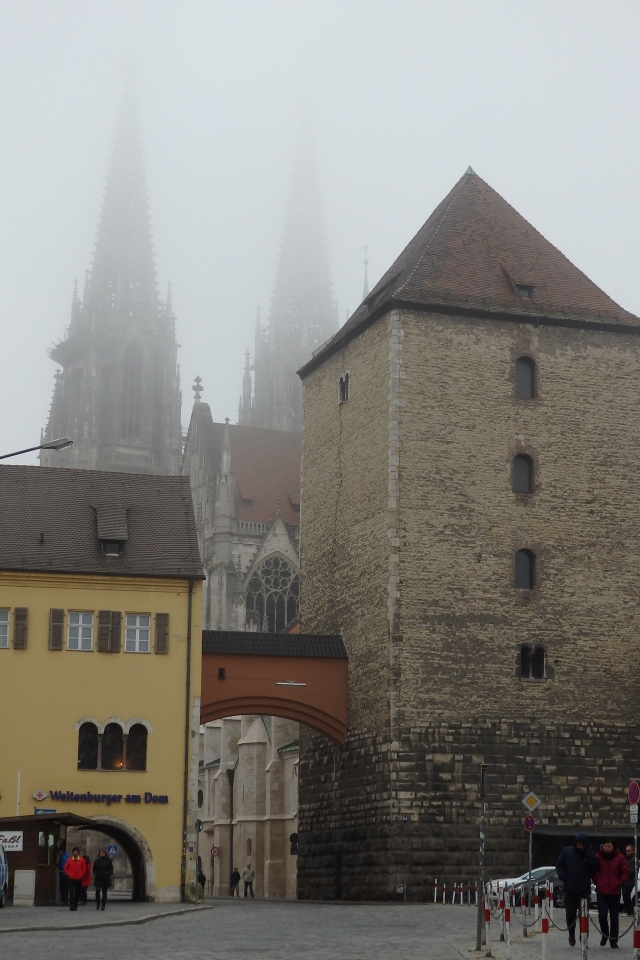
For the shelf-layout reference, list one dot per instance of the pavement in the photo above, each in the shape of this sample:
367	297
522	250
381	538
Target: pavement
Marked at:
277	930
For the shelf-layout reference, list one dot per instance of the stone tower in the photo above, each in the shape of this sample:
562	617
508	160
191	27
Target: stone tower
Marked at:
303	311
118	393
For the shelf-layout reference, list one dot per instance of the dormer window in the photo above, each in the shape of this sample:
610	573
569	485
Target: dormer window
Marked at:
524	290
112	548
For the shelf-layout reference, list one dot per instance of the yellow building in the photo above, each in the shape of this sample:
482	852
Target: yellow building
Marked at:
100	656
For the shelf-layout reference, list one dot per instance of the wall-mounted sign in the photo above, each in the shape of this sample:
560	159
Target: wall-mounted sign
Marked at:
108	798
41	811
11	840
39	795
112	850
215	851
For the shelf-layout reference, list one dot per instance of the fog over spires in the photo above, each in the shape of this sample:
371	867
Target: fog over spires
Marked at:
303	311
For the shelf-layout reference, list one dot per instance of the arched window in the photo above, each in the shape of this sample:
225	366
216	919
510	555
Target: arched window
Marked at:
525	378
200	798
88	747
136	748
131	393
532	663
522	473
525	570
273	595
112	747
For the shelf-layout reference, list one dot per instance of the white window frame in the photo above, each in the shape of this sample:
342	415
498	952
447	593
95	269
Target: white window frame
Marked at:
136	627
5	623
80	625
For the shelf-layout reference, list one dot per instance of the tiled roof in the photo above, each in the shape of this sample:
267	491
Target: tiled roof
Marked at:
472	253
272	644
52	520
265	464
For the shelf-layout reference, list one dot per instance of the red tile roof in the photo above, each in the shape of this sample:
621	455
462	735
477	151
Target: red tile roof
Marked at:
471	253
265	465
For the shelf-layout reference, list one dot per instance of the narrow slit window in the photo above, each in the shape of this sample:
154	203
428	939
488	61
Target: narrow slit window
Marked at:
525	662
537	664
343	388
522	474
525	570
525	378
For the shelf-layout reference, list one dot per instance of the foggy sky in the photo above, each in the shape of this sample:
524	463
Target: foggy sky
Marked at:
539	98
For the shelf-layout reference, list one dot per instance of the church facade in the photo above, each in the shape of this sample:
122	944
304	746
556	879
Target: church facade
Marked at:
470	513
117	392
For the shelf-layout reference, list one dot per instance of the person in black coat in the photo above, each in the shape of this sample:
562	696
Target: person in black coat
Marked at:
102	873
576	865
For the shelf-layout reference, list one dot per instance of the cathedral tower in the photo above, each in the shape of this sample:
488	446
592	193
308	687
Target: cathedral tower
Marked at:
118	394
303	311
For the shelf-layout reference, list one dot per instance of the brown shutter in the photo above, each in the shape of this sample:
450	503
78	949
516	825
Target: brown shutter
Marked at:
56	625
104	631
162	633
116	621
20	628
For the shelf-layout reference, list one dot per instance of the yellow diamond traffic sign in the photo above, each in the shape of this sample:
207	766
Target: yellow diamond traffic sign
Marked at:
531	802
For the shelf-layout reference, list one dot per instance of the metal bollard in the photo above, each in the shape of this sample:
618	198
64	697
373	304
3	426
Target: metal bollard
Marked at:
636	931
536	911
501	909
435	890
525	929
545	924
584	928
551	902
455	890
469	893
475	895
507	925
487	924
444	891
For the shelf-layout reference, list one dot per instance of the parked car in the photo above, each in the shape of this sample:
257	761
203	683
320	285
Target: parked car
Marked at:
519	886
539	875
4	876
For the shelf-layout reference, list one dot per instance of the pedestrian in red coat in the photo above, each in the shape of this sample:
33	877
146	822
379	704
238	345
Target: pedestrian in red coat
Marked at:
612	874
86	880
75	868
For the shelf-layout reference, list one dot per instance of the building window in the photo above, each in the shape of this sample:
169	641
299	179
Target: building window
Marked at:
88	747
273	595
522	474
248	848
80	631
525	570
524	290
112	548
343	389
137	747
525	378
131	393
138	631
4	628
532	663
112	747
200	798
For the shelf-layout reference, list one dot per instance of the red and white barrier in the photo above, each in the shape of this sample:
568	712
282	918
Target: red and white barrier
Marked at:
444	891
584	928
545	924
487	924
435	890
636	932
501	909
536	911
507	925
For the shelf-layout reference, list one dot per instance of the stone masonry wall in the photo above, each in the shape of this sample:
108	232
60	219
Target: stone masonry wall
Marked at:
352	846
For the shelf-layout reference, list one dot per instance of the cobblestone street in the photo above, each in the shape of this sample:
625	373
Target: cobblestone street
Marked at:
310	931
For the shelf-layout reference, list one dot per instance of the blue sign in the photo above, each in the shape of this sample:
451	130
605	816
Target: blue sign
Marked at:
42	810
112	850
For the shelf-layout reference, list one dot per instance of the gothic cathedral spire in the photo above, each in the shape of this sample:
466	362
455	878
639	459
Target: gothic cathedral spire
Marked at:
118	396
303	311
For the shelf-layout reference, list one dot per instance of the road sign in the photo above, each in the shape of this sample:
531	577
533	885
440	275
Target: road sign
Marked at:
215	851
633	812
529	823
199	826
112	850
531	802
633	793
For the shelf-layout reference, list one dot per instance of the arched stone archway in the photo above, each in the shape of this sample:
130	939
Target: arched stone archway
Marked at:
136	848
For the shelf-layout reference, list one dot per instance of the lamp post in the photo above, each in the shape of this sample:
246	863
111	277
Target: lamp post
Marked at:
59	444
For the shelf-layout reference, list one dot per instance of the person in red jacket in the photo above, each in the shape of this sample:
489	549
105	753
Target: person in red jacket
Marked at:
86	880
612	873
75	868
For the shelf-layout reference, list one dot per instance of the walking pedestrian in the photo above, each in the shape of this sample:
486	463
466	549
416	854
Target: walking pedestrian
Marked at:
234	883
63	879
75	868
612	873
102	873
86	880
248	875
575	866
627	888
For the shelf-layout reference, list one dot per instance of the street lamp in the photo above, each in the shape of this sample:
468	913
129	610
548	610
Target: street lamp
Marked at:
59	444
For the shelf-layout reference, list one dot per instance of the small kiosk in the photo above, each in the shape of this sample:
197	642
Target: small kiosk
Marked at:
33	843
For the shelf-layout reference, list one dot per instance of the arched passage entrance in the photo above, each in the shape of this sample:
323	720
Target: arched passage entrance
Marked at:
296	676
136	848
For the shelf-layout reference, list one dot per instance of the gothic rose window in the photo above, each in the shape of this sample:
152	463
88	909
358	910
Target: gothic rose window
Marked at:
273	595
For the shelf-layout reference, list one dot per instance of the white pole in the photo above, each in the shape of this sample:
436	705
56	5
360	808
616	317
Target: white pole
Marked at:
487	924
18	795
536	902
545	924
584	928
507	925
444	891
435	890
501	903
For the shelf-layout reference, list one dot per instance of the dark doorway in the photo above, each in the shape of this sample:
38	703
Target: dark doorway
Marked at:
127	845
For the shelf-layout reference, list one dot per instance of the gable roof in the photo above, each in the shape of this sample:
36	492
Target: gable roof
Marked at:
265	465
53	520
471	254
273	644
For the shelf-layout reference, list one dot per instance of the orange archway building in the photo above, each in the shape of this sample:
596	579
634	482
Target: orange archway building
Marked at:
297	676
